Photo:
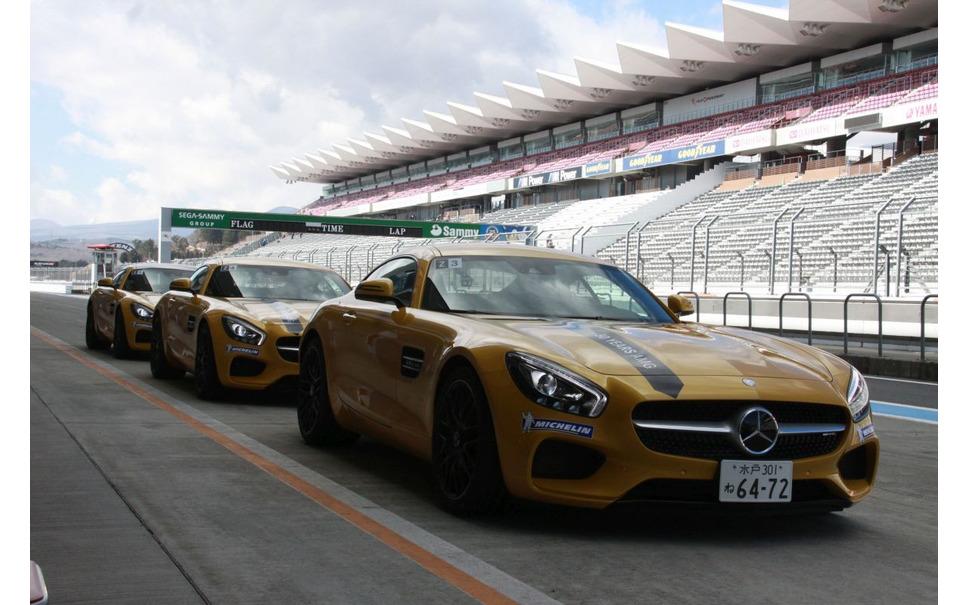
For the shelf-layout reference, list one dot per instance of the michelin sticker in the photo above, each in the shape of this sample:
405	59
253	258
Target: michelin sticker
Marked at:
452	262
865	432
530	423
238	349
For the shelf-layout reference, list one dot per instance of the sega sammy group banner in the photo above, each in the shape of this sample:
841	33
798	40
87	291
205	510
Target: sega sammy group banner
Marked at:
674	156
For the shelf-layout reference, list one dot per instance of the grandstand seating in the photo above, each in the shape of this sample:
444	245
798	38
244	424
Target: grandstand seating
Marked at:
851	99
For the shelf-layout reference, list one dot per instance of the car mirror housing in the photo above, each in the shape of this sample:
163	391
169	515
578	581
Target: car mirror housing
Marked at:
105	282
680	305
377	290
182	284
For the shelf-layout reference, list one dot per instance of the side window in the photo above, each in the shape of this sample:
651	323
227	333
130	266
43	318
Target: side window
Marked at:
403	273
118	278
137	282
198	278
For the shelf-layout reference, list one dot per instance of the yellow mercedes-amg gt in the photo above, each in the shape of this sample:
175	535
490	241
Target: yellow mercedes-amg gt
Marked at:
120	309
236	322
557	377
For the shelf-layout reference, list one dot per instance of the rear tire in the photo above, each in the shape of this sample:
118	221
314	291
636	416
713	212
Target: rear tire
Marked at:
91	338
467	470
317	424
161	368
119	345
207	384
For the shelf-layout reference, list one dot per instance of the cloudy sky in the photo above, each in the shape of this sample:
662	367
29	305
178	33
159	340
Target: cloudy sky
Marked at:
135	105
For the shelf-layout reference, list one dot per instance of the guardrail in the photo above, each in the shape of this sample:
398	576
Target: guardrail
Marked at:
806	297
694	295
880	319
924	301
749	307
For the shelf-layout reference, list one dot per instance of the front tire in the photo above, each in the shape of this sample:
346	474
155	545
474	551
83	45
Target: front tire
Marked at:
91	338
207	384
160	366
467	470
119	345
317	424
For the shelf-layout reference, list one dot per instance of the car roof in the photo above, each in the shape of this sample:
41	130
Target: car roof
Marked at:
499	249
266	262
188	268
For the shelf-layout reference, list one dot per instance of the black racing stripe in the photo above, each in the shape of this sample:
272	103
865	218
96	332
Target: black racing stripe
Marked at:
659	376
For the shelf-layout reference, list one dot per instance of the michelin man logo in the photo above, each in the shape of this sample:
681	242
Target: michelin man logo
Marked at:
435	230
527	421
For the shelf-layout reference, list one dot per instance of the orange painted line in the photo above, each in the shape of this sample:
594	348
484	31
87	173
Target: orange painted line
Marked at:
426	559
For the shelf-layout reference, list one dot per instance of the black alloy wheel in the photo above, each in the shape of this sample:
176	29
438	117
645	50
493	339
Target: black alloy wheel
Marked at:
119	345
467	471
207	384
317	424
160	366
91	338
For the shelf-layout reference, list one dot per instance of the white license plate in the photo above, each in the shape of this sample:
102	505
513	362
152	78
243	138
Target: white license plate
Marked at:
755	480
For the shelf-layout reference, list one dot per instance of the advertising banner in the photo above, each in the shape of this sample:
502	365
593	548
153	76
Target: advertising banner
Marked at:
674	156
301	223
597	168
749	140
910	113
701	103
547	178
811	131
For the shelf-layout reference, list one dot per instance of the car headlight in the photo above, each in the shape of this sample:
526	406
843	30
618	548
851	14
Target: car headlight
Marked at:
242	331
858	397
142	312
555	387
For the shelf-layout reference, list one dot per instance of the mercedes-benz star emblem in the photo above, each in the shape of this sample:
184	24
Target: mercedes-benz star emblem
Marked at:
757	430
749	382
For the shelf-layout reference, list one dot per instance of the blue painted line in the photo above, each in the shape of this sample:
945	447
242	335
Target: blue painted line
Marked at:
907	412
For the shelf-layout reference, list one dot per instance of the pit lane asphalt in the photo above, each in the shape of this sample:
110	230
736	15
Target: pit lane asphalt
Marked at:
129	505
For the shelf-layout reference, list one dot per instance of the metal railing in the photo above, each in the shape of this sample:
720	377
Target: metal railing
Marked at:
749	307
880	320
806	297
924	301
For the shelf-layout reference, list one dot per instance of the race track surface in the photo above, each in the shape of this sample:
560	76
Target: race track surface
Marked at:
140	492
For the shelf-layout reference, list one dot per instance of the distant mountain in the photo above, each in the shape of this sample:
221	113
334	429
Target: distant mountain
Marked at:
283	210
42	230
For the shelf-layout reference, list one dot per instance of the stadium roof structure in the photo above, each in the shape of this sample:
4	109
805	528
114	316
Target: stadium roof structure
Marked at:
755	39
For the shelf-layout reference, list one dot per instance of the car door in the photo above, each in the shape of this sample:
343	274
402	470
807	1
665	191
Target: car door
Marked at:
184	313
105	301
367	348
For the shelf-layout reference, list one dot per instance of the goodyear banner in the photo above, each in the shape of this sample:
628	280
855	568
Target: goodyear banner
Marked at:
597	168
304	223
674	156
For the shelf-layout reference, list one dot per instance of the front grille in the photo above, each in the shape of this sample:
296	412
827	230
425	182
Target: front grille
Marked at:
717	446
288	348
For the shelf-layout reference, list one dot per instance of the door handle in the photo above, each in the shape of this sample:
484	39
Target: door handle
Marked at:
348	317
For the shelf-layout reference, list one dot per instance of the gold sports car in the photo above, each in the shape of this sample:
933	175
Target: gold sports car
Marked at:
120	309
236	323
556	377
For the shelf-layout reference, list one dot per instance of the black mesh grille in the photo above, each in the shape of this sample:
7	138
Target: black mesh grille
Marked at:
716	446
244	367
288	341
563	460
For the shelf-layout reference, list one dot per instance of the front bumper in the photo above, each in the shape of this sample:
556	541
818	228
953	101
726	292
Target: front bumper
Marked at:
275	363
609	462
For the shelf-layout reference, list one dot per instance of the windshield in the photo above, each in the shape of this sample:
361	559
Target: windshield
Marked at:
153	279
541	287
284	283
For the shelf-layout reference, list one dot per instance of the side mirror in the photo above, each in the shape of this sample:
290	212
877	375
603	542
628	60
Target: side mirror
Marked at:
105	282
182	284
680	305
378	290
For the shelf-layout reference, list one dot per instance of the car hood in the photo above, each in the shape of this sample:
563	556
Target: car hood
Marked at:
293	314
683	349
150	299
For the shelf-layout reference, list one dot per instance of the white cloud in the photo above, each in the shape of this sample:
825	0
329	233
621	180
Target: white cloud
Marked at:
196	99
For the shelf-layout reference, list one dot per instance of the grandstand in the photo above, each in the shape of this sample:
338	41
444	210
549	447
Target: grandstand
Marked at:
736	142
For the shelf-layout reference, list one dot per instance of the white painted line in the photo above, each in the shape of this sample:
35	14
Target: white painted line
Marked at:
907	418
923	382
